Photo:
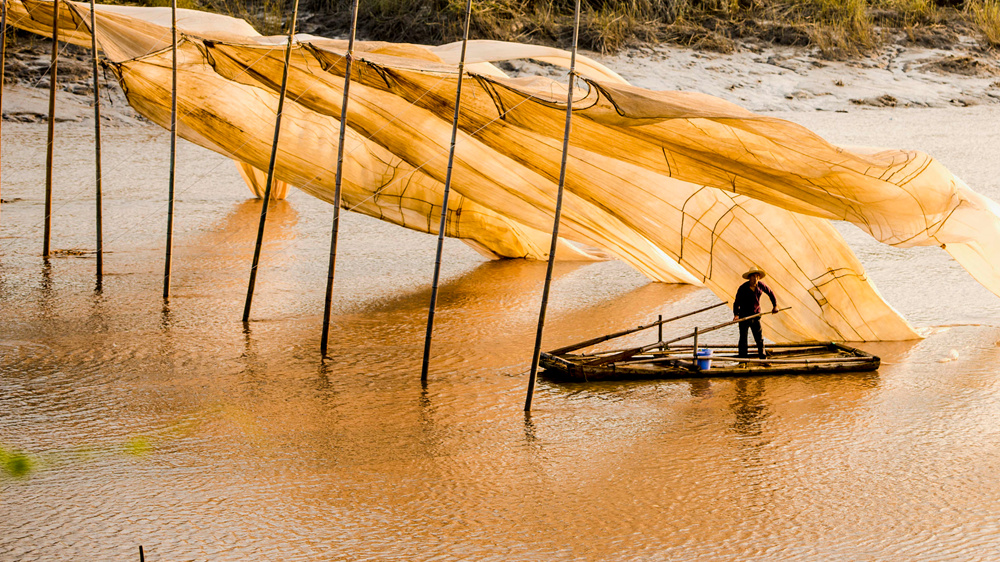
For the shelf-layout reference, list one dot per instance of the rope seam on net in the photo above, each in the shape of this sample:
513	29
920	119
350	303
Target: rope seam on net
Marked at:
245	70
281	250
184	37
73	195
105	63
187	37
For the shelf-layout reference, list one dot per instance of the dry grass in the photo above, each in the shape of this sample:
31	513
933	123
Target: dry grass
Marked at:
905	13
269	17
986	15
183	4
837	28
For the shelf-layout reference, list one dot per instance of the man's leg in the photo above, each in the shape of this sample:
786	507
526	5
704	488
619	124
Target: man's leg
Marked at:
744	326
758	337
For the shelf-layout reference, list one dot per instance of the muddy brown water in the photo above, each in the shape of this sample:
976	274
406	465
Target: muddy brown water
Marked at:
177	429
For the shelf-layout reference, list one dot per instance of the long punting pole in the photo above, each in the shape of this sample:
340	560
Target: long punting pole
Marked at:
444	201
97	145
659	323
270	166
52	128
328	304
173	149
555	226
615	356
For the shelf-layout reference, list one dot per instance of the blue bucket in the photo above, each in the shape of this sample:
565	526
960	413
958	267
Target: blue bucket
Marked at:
704	364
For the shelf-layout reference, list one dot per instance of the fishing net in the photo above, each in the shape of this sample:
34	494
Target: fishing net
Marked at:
685	187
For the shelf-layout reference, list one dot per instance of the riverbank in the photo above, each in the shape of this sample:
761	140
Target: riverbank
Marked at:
760	78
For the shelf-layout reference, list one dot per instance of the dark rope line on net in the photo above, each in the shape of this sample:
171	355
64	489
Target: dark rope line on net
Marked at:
243	71
174	43
374	195
558	213
444	201
61	51
281	250
427	161
128	159
204	175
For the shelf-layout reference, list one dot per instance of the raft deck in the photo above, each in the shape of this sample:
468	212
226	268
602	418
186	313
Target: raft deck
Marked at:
678	362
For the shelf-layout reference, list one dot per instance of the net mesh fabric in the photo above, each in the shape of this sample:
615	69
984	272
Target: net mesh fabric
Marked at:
685	187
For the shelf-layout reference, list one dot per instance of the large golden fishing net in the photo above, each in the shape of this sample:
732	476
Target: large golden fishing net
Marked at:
685	187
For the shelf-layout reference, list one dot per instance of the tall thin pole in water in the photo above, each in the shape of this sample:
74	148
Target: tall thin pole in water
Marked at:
328	303
173	149
3	58
270	166
97	144
558	213
444	201
52	128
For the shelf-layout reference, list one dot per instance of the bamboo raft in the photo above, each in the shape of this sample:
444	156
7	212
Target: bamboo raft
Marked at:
670	359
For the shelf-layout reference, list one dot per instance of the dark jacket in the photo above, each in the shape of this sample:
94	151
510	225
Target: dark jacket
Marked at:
747	302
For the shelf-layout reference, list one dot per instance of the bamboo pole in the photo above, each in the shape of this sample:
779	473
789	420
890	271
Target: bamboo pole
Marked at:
53	72
447	190
173	150
558	212
270	165
328	301
3	63
97	146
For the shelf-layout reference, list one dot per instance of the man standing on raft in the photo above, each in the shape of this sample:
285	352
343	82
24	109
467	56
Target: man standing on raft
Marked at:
747	303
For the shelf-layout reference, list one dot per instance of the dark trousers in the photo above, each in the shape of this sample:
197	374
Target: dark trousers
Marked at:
753	326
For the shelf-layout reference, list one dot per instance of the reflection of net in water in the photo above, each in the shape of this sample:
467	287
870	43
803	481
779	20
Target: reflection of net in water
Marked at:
683	186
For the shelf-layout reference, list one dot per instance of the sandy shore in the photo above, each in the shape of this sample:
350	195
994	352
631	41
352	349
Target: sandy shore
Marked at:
783	79
761	79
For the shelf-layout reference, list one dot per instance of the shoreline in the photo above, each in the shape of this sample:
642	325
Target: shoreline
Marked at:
760	79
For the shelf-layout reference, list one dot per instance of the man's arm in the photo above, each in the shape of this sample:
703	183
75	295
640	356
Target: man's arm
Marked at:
770	294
